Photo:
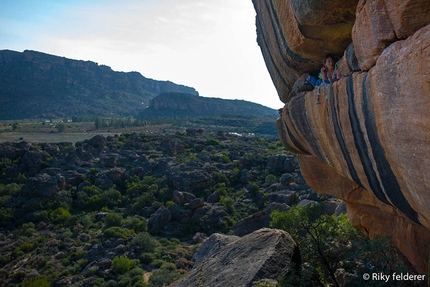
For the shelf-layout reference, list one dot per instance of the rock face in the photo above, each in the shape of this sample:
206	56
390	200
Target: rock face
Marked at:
264	254
365	138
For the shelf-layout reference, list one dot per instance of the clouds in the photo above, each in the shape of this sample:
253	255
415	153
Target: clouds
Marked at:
209	45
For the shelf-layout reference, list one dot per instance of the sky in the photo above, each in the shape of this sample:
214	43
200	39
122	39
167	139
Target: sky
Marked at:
205	44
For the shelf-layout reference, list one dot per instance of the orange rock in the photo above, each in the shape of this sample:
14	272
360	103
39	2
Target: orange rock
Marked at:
365	138
290	48
372	32
368	213
380	23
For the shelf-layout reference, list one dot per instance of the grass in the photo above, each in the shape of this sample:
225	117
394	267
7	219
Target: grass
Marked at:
37	132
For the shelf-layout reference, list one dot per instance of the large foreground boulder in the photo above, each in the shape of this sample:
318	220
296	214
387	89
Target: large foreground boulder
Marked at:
263	254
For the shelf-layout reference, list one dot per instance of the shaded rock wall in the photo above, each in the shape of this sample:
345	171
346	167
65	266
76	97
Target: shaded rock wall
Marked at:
365	138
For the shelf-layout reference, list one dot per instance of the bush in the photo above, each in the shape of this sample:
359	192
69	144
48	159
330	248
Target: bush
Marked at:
117	232
110	198
36	282
121	264
145	241
270	179
110	283
60	215
133	278
228	203
113	219
163	277
137	223
6	216
146	258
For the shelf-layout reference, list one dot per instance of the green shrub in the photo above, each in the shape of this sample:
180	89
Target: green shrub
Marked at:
228	203
113	219
27	246
147	258
98	282
157	263
91	190
60	215
110	283
121	264
137	223
163	277
133	278
170	266
36	282
145	241
270	179
212	142
225	158
6	216
110	198
86	222
117	232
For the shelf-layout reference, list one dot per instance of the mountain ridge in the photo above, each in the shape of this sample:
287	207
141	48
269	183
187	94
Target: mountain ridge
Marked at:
172	104
39	85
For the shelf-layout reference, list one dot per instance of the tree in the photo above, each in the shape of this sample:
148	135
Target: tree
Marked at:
330	243
314	234
61	127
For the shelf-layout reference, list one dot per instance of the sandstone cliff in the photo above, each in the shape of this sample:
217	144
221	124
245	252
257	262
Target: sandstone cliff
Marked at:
365	138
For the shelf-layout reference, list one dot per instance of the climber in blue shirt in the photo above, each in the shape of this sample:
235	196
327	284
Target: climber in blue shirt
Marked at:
328	73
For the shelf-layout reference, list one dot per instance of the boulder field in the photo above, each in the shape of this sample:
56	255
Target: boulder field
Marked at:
366	137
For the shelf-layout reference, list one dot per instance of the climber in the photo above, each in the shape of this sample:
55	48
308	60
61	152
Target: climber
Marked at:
328	74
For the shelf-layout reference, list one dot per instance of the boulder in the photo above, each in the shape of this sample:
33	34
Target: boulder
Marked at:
340	209
196	203
43	185
187	180
264	254
97	141
287	179
182	198
210	246
286	196
33	160
214	197
280	162
258	220
160	218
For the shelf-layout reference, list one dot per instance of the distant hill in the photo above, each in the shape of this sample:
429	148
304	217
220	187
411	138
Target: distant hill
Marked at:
38	85
174	104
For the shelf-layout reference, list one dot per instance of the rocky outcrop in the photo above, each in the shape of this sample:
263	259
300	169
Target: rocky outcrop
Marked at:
366	137
264	254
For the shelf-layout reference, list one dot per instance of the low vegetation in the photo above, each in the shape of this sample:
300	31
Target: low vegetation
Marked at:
106	211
